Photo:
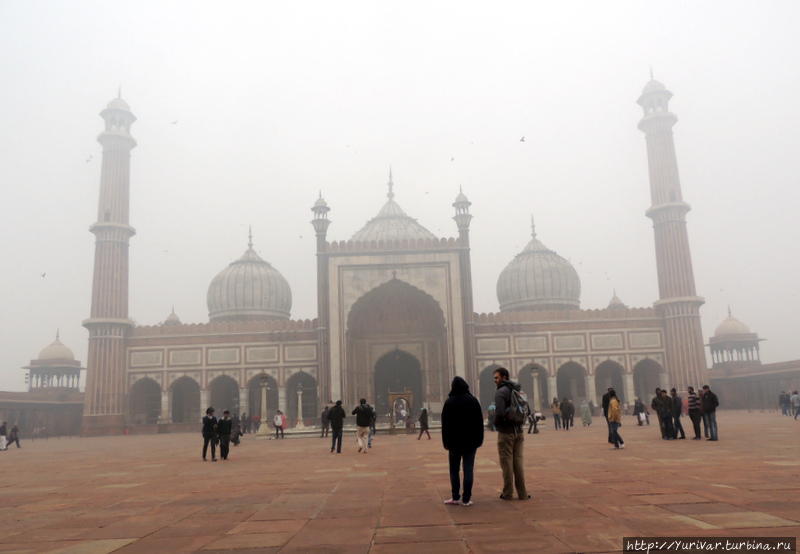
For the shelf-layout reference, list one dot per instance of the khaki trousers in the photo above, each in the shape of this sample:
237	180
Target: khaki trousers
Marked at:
509	447
362	437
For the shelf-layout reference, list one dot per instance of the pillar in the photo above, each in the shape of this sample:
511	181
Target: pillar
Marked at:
203	401
300	423
591	388
282	398
165	414
537	394
552	388
630	394
244	401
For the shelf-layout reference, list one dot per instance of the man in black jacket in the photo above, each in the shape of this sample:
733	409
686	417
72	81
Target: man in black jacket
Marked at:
210	434
510	439
710	403
677	409
336	416
224	428
462	435
363	413
325	422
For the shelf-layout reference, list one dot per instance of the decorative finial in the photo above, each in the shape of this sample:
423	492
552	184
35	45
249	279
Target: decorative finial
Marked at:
615	291
58	333
320	194
729	311
173	308
119	91
390	194
250	237
460	189
651	73
533	227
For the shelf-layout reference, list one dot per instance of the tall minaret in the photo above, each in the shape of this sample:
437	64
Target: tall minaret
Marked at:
321	223
108	325
463	218
678	302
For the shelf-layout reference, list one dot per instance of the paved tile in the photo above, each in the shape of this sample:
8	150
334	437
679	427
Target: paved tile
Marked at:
99	495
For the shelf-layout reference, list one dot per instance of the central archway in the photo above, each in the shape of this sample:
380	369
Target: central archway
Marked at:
408	323
398	371
145	401
571	382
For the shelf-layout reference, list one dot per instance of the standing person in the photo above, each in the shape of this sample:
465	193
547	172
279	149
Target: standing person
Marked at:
677	408
615	420
783	402
794	399
510	440
245	423
324	422
490	413
556	407
655	405
210	434
586	413
695	413
665	405
373	430
224	430
363	413
423	424
336	416
278	422
236	429
638	412
3	437
710	403
13	436
565	410
606	400
462	435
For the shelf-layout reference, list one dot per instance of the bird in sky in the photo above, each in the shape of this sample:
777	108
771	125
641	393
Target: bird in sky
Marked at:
89	159
452	159
44	275
522	139
175	122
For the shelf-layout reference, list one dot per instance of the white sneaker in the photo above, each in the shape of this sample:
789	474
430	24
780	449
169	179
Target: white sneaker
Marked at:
451	502
622	446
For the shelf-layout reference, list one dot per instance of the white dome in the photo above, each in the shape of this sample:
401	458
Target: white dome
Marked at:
392	223
56	351
247	289
731	326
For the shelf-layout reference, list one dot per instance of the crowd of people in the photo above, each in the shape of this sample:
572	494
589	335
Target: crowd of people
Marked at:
789	404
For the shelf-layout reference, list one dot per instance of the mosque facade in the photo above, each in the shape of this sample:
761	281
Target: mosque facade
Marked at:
394	316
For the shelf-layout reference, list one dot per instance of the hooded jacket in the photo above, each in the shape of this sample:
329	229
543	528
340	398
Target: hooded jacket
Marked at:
462	419
336	416
502	399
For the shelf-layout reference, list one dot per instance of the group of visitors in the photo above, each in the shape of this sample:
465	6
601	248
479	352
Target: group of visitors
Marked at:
332	418
222	431
789	404
701	408
564	414
7	438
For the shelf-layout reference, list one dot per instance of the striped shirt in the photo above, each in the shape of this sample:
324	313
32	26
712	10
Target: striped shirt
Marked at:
694	402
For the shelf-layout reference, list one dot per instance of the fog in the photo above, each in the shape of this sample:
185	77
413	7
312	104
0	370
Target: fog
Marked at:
247	110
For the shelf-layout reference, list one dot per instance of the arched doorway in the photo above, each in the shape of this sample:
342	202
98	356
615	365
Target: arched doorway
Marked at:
144	402
487	386
308	385
571	382
398	371
533	380
609	374
186	401
254	395
408	322
224	394
646	377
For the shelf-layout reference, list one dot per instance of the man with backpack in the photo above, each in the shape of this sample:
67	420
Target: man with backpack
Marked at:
511	409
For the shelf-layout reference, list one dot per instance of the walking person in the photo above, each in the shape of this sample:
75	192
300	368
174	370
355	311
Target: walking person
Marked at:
615	420
695	413
13	436
784	403
3	437
336	416
224	430
556	408
639	412
677	409
210	434
325	423
586	413
606	400
423	424
236	430
795	401
278	421
710	404
462	435
245	423
373	429
510	440
363	413
655	405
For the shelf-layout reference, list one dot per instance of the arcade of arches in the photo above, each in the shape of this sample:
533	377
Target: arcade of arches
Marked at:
396	337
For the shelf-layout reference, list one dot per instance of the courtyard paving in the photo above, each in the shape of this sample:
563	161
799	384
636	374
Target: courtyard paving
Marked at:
153	494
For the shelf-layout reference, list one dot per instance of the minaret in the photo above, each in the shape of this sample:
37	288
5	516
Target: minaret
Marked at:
678	302
321	223
463	218
108	325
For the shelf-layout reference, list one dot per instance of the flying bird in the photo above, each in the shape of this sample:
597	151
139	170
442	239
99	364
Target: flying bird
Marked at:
89	159
175	122
452	159
522	139
44	275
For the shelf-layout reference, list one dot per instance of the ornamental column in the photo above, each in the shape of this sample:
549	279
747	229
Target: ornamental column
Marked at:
630	394
244	401
165	416
463	219
321	222
678	302
537	395
552	388
108	324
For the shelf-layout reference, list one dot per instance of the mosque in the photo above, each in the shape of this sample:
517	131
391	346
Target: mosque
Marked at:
394	318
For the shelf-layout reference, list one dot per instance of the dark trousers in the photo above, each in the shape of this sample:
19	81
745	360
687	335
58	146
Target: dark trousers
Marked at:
325	428
556	421
669	431
13	440
279	429
336	440
533	426
696	417
224	446
423	430
456	459
705	425
616	439
213	441
677	427
610	434
661	425
710	419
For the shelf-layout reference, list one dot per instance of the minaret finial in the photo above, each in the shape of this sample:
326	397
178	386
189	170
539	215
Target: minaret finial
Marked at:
390	194
58	334
119	91
651	73
533	228
250	237
173	308
729	311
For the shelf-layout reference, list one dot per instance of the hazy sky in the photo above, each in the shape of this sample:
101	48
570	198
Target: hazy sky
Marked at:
275	101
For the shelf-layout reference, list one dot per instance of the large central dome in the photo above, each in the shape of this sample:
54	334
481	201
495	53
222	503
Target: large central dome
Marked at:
392	223
249	289
538	279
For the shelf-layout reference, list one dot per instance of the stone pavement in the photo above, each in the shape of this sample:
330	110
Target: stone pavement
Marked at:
154	494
